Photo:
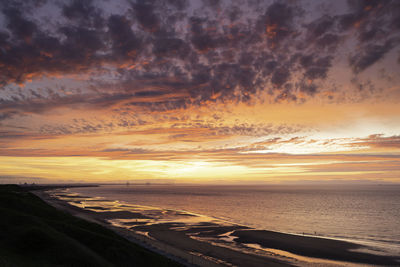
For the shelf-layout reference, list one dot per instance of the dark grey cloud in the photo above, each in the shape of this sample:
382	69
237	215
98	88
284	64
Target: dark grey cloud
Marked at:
278	22
20	27
369	55
329	41
125	44
204	40
166	50
360	11
29	50
308	88
170	47
323	34
81	44
280	76
3	38
320	26
374	24
317	69
145	15
178	4
84	12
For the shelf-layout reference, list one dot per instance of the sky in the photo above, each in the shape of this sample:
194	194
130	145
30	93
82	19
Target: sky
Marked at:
242	91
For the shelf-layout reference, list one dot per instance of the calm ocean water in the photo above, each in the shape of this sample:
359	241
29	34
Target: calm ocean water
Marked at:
366	214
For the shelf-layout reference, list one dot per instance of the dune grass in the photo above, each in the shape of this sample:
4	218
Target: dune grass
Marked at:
33	233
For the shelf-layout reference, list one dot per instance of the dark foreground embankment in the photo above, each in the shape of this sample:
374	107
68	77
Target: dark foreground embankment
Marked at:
33	233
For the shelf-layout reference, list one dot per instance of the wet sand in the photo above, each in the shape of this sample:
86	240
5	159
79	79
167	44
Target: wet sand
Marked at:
169	239
313	247
203	241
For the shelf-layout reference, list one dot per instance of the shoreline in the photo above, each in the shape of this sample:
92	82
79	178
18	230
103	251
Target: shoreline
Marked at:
200	243
152	245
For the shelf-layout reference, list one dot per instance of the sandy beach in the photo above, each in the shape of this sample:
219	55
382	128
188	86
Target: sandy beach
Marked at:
313	247
200	241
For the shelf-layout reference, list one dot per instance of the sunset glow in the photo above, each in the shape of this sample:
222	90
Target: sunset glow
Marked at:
199	91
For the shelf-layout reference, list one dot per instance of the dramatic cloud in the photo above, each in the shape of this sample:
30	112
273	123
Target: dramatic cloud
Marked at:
176	79
254	52
371	54
278	22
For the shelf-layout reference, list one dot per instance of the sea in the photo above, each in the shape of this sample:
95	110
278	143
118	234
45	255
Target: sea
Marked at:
365	214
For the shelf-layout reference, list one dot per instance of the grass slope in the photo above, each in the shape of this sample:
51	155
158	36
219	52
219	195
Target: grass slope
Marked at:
33	233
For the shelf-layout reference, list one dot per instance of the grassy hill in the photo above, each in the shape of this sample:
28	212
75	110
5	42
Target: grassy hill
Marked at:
33	233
